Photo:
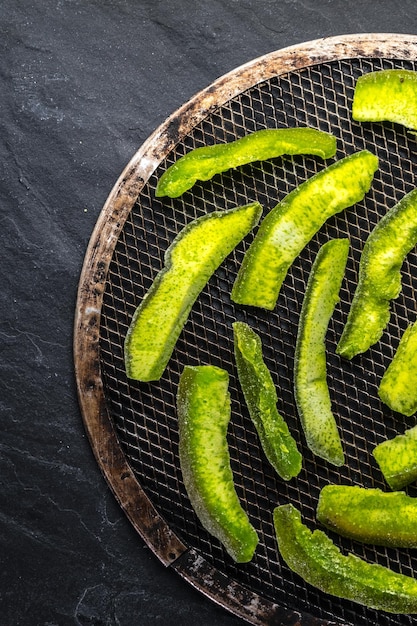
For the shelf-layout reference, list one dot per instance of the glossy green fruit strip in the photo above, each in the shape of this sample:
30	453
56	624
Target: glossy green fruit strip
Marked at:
261	398
190	261
203	163
398	386
369	515
386	95
397	459
287	229
379	276
203	416
310	374
314	557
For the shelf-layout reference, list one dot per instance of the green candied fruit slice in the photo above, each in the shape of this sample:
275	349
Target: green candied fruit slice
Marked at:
290	225
203	403
397	459
314	557
398	386
369	515
310	375
386	95
379	276
203	163
194	255
261	398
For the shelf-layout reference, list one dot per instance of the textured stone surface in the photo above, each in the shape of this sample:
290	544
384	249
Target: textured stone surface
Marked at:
83	83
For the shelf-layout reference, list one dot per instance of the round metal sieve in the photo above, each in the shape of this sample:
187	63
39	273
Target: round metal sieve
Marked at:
133	427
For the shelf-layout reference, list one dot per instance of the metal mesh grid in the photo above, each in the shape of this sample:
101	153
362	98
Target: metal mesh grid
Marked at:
145	415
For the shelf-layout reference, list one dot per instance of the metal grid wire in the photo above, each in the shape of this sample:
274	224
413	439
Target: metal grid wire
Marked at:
145	414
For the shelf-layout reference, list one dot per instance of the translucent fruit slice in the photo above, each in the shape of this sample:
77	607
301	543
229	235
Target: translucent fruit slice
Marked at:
261	398
310	373
379	276
398	386
194	255
203	403
369	515
314	557
203	163
389	95
290	225
397	459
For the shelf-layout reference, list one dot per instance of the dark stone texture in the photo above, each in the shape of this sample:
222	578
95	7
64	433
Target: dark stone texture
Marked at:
83	83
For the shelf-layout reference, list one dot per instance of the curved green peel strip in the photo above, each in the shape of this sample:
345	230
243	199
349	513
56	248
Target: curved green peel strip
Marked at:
386	95
203	416
397	459
310	375
192	258
314	557
379	276
398	386
261	398
369	515
288	228
203	163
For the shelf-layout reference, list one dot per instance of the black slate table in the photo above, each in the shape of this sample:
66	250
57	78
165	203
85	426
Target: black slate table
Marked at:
83	84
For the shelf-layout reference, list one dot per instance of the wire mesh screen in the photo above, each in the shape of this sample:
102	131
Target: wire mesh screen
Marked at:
144	414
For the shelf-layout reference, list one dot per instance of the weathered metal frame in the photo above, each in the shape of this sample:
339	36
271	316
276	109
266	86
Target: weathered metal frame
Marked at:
139	509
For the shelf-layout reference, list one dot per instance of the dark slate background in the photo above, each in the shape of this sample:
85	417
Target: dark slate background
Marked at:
83	84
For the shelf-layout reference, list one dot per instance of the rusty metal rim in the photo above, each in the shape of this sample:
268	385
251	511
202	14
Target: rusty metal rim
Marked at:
170	550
